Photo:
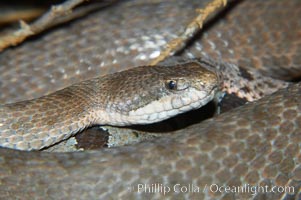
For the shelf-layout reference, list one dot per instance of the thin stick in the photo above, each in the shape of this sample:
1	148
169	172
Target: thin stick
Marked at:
56	15
194	27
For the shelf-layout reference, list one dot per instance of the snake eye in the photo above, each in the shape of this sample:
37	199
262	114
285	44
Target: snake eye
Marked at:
172	85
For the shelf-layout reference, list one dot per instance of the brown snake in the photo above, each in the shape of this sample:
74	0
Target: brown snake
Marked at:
257	144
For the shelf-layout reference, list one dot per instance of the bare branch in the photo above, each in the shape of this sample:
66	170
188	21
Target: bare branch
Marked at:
56	15
195	26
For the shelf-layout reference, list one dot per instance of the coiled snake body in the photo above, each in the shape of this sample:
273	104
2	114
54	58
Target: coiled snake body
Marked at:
257	144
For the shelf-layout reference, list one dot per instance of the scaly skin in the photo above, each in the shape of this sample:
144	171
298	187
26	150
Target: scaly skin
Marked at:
255	144
249	145
141	95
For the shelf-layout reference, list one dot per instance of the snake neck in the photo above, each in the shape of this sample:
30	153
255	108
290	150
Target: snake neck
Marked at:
38	123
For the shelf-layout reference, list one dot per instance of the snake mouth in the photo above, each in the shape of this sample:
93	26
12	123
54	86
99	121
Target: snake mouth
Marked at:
164	108
201	101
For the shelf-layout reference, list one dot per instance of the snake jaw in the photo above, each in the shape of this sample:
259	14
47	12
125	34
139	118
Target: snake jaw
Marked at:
163	108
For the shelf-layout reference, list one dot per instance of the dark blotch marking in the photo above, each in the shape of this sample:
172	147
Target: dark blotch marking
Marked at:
245	89
231	101
245	74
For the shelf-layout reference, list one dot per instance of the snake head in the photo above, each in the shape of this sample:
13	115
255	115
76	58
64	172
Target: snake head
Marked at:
147	94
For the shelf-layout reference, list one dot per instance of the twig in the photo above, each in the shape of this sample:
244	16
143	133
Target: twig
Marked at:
56	15
194	27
